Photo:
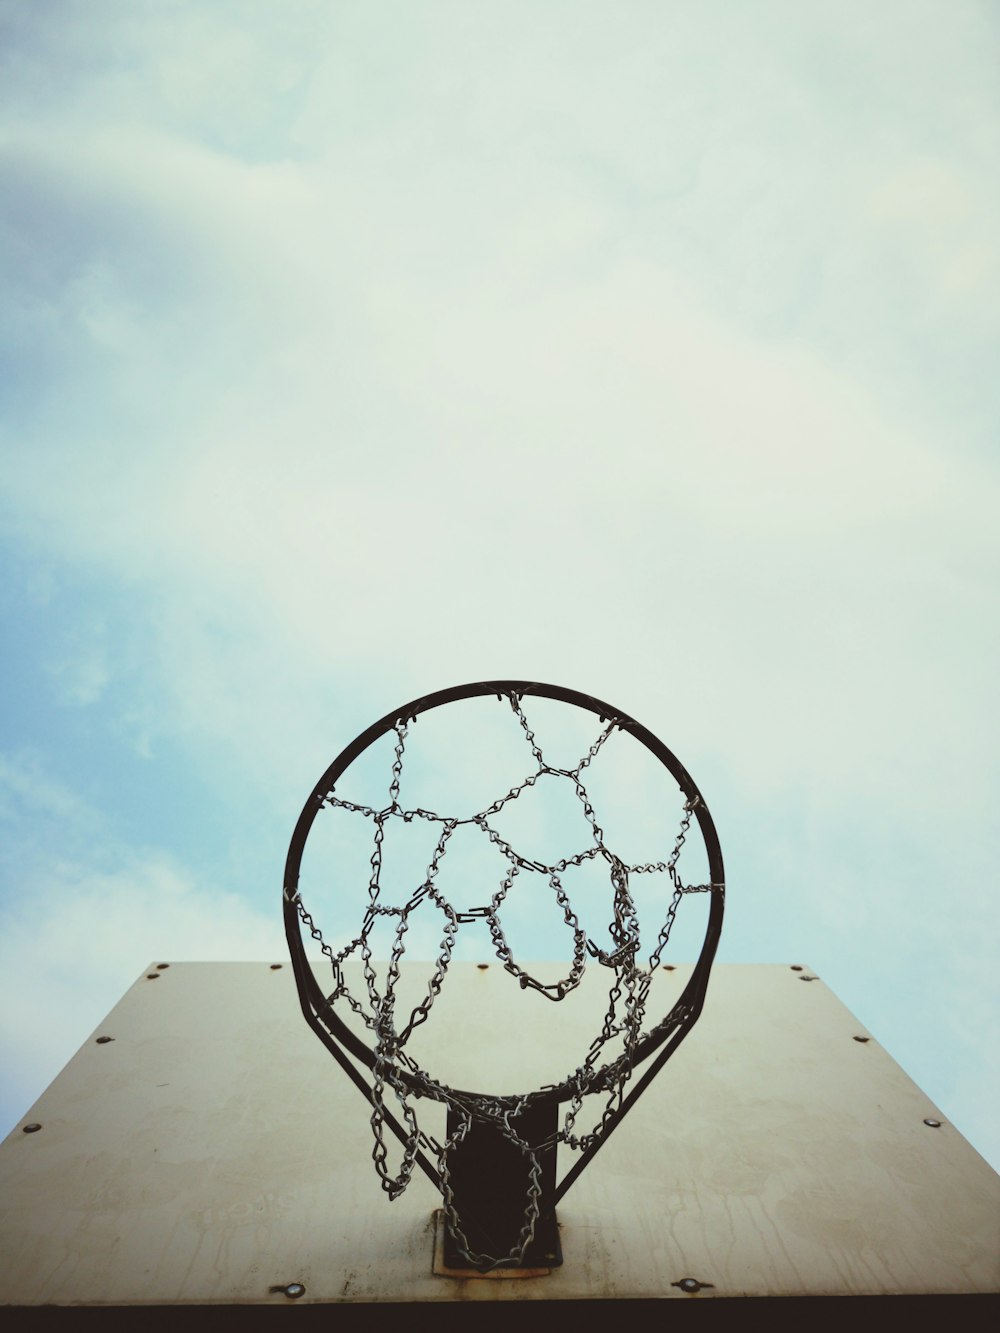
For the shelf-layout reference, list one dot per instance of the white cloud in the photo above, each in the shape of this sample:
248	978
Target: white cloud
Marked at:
89	914
365	356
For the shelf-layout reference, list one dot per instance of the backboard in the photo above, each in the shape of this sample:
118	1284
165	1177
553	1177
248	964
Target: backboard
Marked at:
202	1150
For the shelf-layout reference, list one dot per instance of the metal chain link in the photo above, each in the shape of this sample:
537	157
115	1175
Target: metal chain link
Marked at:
395	1070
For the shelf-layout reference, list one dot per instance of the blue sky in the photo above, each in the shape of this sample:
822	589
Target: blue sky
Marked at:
352	351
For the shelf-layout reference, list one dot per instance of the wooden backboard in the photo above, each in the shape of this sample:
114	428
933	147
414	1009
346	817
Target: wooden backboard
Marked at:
203	1149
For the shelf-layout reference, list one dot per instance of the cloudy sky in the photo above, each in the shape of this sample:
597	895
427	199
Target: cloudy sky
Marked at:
355	350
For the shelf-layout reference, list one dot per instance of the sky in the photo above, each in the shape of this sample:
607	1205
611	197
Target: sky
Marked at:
352	351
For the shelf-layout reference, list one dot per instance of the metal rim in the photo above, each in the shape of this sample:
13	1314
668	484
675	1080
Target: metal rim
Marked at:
320	1014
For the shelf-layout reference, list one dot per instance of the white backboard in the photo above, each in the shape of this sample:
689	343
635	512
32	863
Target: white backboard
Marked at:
212	1153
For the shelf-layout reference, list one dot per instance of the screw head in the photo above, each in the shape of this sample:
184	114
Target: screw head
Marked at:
103	1041
30	1129
294	1290
933	1124
691	1284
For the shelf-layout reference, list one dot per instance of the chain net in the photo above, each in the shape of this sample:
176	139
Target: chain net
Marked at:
396	1072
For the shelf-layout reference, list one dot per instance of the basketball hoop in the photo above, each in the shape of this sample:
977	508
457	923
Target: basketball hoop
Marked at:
496	1169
